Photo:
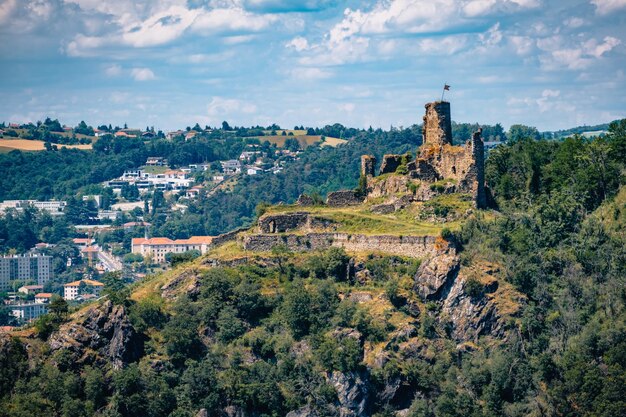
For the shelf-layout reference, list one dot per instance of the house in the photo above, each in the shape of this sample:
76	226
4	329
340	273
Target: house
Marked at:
232	166
247	155
90	252
193	192
82	242
30	289
148	135
218	178
253	170
174	134
108	215
122	134
156	161
72	290
158	247
43	298
190	135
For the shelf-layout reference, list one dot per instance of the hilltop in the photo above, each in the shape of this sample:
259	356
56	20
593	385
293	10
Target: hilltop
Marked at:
516	309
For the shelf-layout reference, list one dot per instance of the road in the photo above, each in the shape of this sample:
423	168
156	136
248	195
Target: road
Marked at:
109	261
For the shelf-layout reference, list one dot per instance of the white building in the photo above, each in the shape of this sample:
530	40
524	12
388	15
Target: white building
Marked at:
158	247
43	298
54	207
231	167
30	289
72	290
36	268
28	311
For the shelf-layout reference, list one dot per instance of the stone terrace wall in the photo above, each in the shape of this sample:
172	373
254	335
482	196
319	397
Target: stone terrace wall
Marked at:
411	246
226	237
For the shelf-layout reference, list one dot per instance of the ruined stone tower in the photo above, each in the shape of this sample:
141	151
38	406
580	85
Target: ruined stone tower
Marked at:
457	169
437	128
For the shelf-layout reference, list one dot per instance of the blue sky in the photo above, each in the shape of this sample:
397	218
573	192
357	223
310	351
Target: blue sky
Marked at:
547	63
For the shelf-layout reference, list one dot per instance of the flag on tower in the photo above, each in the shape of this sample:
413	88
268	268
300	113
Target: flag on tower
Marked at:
446	87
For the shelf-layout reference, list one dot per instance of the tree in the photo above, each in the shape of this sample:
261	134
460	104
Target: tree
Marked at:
225	125
58	307
519	132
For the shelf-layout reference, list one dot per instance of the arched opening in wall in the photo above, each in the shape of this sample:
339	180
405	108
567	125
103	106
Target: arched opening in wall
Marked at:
454	170
272	226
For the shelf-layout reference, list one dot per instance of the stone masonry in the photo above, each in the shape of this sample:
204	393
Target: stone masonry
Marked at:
438	159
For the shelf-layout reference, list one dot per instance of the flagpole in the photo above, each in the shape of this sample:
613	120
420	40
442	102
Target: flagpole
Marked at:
443	91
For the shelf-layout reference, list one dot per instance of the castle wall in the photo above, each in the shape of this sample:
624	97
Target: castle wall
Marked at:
410	246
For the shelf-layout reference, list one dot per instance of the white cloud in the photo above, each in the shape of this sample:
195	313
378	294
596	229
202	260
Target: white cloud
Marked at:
113	70
492	37
7	7
142	74
160	28
446	45
478	7
146	24
593	48
298	43
225	107
232	19
574	22
308	73
346	107
607	6
575	57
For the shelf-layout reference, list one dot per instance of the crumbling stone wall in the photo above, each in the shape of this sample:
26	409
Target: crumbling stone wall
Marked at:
411	246
344	198
390	164
438	159
368	165
280	223
305	200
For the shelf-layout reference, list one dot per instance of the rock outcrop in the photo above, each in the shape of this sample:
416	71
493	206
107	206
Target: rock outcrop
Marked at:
100	334
436	275
352	392
483	309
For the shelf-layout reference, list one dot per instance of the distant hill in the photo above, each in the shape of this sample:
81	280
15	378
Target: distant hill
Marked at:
581	130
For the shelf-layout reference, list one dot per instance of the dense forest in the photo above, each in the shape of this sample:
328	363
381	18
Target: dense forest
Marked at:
264	341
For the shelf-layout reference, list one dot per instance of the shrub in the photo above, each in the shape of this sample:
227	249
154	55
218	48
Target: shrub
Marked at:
473	287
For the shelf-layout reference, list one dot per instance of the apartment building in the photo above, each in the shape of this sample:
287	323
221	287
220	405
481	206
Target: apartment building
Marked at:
72	290
37	268
54	207
28	311
158	247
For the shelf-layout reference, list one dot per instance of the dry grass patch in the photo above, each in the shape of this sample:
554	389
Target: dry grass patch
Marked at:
34	145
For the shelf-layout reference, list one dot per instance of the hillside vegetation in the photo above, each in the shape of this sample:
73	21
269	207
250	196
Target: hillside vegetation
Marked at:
527	319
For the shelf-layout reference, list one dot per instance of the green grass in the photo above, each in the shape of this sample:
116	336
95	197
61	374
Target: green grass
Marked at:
154	169
359	220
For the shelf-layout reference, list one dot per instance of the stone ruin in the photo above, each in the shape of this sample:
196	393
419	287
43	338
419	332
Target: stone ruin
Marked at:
437	159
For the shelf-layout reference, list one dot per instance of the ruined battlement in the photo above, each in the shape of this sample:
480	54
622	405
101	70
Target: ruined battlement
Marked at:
437	128
437	159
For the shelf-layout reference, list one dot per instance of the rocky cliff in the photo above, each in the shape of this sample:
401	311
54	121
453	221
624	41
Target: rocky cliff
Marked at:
100	334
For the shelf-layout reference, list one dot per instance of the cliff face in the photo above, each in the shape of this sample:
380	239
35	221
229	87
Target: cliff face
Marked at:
100	334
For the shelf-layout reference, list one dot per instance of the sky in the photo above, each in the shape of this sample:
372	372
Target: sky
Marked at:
552	64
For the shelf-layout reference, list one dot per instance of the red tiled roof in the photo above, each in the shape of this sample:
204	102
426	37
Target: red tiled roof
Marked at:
43	295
